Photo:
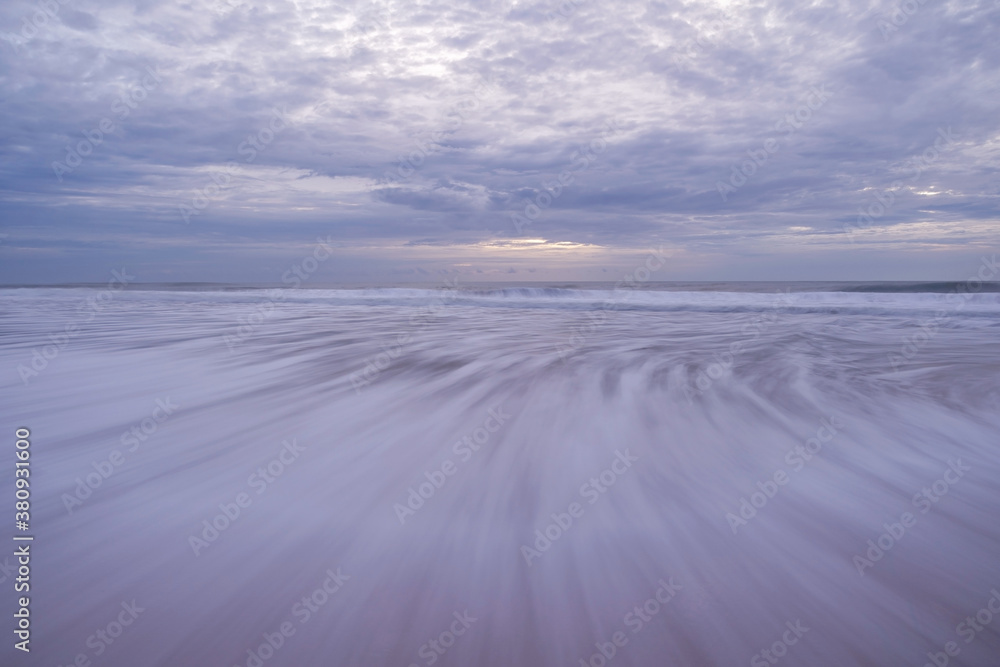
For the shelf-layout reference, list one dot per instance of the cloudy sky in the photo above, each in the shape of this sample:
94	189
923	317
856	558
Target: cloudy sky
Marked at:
217	140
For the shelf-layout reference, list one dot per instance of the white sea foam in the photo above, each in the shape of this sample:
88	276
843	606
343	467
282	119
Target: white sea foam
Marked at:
381	388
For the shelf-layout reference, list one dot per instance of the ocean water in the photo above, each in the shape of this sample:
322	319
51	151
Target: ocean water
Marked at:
686	474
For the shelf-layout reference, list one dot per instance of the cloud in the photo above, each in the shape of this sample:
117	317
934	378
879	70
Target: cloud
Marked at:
439	120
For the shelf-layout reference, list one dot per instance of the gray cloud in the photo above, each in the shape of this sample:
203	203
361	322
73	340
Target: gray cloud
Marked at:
420	126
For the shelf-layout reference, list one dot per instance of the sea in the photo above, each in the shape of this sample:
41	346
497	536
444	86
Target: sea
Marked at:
492	474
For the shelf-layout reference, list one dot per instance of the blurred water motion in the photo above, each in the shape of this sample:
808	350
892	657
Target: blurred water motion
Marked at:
423	437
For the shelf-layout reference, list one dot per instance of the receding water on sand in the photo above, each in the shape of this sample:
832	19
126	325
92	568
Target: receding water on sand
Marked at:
530	475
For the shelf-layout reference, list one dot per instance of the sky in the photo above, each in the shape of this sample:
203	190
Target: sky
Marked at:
228	141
